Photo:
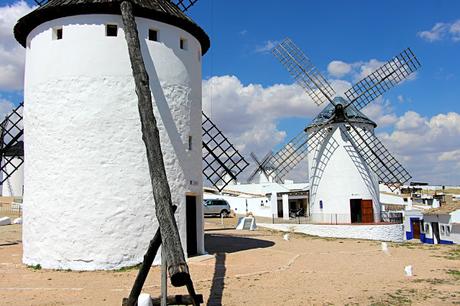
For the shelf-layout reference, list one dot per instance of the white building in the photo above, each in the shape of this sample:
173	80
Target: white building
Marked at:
342	185
88	200
441	225
269	199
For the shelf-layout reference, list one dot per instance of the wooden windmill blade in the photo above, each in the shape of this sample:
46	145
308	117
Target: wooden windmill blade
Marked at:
184	5
378	158
288	157
11	143
303	71
381	80
222	162
262	166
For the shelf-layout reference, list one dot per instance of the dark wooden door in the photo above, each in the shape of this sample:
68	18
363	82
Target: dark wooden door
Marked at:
367	212
416	229
190	211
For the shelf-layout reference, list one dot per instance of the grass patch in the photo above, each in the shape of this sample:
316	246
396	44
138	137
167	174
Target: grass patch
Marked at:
454	273
128	269
453	254
35	267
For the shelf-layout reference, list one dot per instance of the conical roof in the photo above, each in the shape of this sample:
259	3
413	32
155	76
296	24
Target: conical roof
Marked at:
160	10
352	113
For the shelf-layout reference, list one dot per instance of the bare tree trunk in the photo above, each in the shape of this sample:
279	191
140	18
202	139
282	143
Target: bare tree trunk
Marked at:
178	269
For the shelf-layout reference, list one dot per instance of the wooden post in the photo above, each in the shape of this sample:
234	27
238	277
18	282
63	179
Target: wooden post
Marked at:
178	269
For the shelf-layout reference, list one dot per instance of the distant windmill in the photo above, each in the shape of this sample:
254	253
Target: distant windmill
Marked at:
12	152
264	168
340	128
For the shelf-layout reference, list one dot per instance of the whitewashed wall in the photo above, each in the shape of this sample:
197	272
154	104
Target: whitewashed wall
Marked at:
238	204
88	201
387	232
341	179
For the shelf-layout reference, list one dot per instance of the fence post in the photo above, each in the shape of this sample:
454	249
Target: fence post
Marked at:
273	218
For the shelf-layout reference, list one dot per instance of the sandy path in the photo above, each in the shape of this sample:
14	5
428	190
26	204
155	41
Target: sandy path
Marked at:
257	268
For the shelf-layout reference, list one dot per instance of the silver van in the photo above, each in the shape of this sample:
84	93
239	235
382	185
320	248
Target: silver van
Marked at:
216	207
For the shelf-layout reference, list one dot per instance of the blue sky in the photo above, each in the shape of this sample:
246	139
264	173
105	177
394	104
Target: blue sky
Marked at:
244	85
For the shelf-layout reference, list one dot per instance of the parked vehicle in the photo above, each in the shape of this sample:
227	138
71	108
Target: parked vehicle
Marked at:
216	207
295	213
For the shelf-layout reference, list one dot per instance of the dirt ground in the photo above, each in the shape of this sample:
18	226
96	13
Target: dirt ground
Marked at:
256	268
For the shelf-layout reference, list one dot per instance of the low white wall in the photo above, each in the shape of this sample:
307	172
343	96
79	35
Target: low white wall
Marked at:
238	204
387	232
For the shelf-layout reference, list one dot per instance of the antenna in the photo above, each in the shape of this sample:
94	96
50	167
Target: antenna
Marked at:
184	5
220	157
263	166
303	71
381	80
11	143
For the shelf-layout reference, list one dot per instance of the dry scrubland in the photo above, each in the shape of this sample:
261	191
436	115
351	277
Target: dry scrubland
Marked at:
256	268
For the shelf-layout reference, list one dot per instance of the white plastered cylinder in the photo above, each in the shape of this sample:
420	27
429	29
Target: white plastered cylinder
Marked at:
88	200
338	174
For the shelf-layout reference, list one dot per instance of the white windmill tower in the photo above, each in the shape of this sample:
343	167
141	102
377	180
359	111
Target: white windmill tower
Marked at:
346	161
88	200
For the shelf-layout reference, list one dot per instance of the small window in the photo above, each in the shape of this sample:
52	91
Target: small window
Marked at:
183	44
427	228
111	30
199	55
57	33
190	143
443	229
447	230
153	35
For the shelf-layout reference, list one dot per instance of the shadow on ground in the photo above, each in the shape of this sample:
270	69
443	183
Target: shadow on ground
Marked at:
216	243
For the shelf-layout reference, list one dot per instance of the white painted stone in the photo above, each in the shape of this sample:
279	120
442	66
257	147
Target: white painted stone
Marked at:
242	220
408	270
144	299
286	237
382	232
17	221
5	221
88	201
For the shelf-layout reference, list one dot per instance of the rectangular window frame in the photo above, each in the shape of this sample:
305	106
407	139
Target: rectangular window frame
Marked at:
109	27
57	33
151	34
183	43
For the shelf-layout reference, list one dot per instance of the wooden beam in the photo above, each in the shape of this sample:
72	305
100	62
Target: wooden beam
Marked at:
178	269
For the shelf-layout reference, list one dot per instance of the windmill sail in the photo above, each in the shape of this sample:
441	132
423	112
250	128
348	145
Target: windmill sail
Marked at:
303	71
263	166
11	143
381	80
184	5
378	158
289	156
222	161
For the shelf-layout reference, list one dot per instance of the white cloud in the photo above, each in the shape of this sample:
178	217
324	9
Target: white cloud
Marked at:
248	114
381	112
437	32
5	107
454	30
11	53
267	46
428	147
441	31
338	68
